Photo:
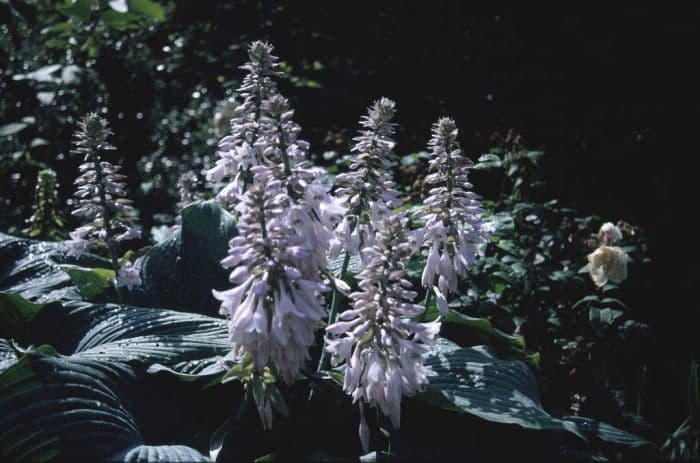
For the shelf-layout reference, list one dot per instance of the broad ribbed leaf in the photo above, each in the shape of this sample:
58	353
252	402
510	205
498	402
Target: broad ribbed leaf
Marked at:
32	269
507	345
111	332
181	272
16	313
606	433
91	282
472	380
8	356
336	265
68	409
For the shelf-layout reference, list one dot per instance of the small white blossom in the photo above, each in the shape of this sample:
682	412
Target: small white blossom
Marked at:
377	339
453	215
129	276
608	263
610	233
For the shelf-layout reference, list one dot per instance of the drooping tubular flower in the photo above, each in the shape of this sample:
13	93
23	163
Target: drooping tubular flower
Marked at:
273	308
100	193
376	338
453	215
367	190
313	211
238	151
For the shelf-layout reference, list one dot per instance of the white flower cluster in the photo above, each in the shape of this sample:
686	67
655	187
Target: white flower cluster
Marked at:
273	308
453	215
101	195
380	344
368	190
608	263
238	152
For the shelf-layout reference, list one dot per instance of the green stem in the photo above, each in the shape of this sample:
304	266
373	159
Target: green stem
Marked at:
335	303
324	361
428	296
107	223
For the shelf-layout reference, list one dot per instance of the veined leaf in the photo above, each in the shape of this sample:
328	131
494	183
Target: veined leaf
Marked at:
67	409
473	380
181	272
32	269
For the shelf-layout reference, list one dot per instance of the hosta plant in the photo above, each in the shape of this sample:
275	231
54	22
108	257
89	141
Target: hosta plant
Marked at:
299	292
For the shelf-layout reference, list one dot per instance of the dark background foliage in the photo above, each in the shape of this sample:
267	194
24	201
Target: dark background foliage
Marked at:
609	94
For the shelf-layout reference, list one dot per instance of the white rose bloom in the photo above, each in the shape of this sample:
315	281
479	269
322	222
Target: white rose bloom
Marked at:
610	233
608	263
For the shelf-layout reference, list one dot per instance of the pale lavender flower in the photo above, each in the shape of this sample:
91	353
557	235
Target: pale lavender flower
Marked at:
77	245
273	308
313	211
377	339
238	151
454	227
101	191
129	276
367	190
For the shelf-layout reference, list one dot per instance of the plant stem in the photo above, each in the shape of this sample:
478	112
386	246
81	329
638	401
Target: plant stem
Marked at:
107	223
335	303
426	301
324	361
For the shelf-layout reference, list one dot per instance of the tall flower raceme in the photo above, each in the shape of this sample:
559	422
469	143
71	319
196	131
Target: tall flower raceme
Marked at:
273	309
312	211
101	197
377	339
367	190
238	152
46	220
454	227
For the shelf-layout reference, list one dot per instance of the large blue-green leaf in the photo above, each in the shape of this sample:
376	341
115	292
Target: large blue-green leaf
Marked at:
16	313
181	272
606	433
473	380
140	336
8	356
69	409
33	269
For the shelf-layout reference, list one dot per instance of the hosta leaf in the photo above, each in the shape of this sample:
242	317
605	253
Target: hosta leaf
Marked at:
507	345
153	453
8	356
336	265
181	272
472	380
33	269
67	409
16	313
140	336
91	282
606	433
